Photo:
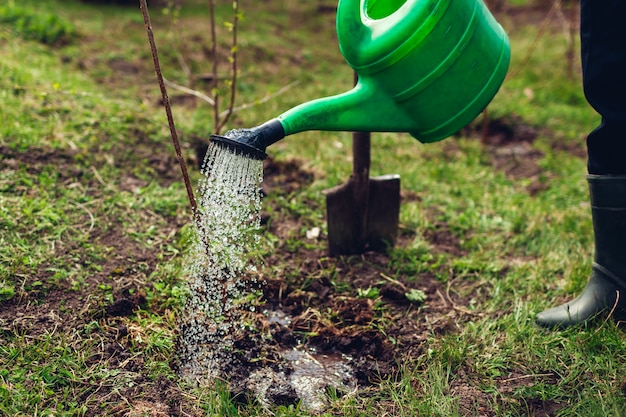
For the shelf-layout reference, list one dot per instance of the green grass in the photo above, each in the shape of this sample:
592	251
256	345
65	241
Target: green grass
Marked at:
88	214
47	28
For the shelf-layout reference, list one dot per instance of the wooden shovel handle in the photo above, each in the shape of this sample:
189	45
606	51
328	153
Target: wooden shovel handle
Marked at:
361	143
361	154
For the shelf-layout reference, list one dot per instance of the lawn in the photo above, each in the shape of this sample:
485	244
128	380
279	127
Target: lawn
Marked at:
96	228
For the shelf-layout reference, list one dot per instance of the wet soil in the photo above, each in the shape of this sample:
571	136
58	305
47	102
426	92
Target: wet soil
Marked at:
320	305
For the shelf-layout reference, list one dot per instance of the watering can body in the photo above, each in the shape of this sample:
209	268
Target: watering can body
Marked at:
427	67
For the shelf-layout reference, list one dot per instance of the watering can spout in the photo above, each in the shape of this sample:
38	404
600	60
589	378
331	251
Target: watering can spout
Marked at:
426	67
361	109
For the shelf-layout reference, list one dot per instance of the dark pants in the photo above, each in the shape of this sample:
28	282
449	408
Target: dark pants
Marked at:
603	48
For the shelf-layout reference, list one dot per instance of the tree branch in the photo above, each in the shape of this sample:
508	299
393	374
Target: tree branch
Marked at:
189	91
168	108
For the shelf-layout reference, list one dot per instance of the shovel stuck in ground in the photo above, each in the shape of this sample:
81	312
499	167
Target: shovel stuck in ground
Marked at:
363	213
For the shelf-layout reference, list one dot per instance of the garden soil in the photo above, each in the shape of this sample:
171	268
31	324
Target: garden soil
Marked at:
317	318
314	315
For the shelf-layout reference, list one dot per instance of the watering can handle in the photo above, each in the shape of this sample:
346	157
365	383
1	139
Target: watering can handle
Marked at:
369	35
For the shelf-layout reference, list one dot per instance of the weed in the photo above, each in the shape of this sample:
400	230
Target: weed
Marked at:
415	296
7	291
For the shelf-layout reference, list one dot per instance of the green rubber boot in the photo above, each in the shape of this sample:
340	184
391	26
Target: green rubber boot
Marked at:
606	289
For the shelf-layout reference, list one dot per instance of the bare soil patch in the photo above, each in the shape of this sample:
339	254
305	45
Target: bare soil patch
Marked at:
324	302
509	142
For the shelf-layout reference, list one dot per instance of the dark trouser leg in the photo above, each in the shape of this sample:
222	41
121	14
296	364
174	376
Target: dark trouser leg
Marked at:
603	36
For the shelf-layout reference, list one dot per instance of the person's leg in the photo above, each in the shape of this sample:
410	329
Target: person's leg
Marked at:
602	33
604	81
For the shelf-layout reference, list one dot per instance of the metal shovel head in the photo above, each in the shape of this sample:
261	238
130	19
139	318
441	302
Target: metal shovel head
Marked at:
363	216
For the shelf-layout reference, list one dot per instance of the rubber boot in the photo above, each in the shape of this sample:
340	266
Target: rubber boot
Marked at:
606	289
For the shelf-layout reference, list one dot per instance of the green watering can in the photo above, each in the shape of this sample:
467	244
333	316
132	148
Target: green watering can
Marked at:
426	67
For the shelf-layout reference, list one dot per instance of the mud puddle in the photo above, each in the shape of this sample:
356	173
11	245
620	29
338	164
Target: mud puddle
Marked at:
304	376
307	377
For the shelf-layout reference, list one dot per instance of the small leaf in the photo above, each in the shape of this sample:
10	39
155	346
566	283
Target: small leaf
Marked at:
415	296
372	293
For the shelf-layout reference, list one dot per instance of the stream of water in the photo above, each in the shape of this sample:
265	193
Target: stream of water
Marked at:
227	232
